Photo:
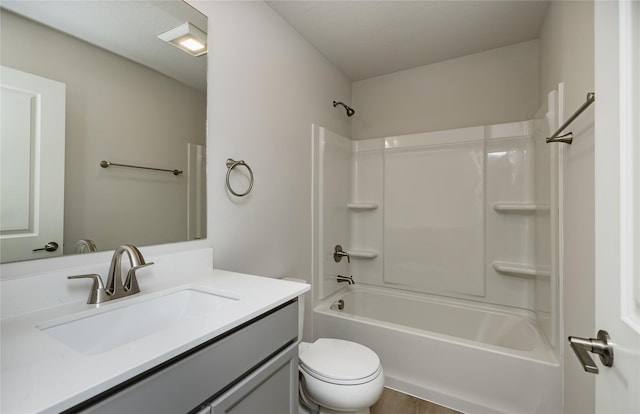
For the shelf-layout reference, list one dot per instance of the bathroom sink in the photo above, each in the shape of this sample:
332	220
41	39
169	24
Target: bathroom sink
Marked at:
94	333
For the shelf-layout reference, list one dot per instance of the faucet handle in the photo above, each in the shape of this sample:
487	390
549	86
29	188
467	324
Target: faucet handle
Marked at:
97	294
131	282
339	253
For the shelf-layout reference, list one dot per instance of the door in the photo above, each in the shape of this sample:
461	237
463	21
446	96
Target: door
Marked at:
32	118
617	180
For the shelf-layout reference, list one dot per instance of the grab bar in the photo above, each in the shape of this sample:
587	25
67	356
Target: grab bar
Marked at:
106	164
568	137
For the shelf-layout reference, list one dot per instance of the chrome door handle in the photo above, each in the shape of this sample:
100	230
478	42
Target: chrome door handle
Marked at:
50	247
601	346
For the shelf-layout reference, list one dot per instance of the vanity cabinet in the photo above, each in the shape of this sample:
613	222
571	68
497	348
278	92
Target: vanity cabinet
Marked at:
251	369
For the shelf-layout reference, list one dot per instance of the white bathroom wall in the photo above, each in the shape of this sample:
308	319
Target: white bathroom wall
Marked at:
477	239
567	55
492	87
267	86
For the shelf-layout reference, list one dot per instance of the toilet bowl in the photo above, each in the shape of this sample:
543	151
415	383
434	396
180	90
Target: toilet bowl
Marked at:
336	376
339	375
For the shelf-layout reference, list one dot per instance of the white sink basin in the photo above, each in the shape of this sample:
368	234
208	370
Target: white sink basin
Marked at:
99	332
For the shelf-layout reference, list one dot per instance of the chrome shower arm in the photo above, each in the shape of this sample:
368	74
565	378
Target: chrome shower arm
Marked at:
350	111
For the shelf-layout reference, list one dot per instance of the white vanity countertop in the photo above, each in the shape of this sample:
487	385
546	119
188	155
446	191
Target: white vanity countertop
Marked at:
40	374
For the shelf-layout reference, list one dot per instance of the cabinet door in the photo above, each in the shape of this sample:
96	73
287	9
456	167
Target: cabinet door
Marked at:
272	389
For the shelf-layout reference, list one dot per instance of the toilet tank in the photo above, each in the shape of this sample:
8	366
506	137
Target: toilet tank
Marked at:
300	307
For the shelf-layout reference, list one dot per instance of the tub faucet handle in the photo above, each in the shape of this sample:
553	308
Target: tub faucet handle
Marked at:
339	253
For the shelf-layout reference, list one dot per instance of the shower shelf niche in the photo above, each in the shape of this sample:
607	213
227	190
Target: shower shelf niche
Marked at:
362	254
515	208
362	206
516	269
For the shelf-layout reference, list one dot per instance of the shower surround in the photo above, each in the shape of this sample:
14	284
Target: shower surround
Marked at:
450	217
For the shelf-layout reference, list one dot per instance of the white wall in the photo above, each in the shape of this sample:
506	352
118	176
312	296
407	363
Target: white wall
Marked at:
111	115
567	55
267	86
492	87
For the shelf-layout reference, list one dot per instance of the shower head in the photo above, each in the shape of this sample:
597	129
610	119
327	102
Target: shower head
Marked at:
350	110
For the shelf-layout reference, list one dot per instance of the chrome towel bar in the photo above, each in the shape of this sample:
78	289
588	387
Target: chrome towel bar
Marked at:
106	164
568	137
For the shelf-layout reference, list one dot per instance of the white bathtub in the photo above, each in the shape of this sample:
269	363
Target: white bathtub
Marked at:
471	357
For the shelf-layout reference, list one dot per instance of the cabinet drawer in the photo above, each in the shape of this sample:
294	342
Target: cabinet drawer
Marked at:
201	375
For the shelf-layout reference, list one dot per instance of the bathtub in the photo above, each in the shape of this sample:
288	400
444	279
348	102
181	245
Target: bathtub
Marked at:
472	357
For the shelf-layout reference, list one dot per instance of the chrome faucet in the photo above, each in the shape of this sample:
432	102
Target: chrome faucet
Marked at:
115	288
348	279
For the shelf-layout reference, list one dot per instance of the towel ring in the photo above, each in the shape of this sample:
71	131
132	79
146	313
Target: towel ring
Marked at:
231	164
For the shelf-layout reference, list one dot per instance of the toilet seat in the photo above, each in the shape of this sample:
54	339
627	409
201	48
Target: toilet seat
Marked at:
339	381
340	362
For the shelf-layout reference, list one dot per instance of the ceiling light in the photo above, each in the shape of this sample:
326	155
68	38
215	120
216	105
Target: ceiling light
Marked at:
187	37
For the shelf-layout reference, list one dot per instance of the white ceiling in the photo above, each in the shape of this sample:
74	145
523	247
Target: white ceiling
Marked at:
362	38
371	38
112	24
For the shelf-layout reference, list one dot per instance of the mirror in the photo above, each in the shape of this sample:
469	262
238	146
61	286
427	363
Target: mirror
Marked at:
129	98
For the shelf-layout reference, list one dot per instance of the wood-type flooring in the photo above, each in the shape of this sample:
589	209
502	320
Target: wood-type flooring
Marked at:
393	402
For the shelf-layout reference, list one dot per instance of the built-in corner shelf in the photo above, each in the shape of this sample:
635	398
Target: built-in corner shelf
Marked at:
515	208
362	206
515	269
362	254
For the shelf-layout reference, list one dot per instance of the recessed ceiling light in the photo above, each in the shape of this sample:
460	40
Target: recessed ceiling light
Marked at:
187	37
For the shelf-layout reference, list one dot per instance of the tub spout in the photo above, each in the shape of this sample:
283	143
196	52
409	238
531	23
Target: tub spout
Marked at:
348	279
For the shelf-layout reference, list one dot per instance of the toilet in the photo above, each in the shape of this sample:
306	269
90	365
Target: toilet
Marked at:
336	376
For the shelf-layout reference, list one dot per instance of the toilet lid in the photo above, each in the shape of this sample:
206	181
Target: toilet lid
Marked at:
337	359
